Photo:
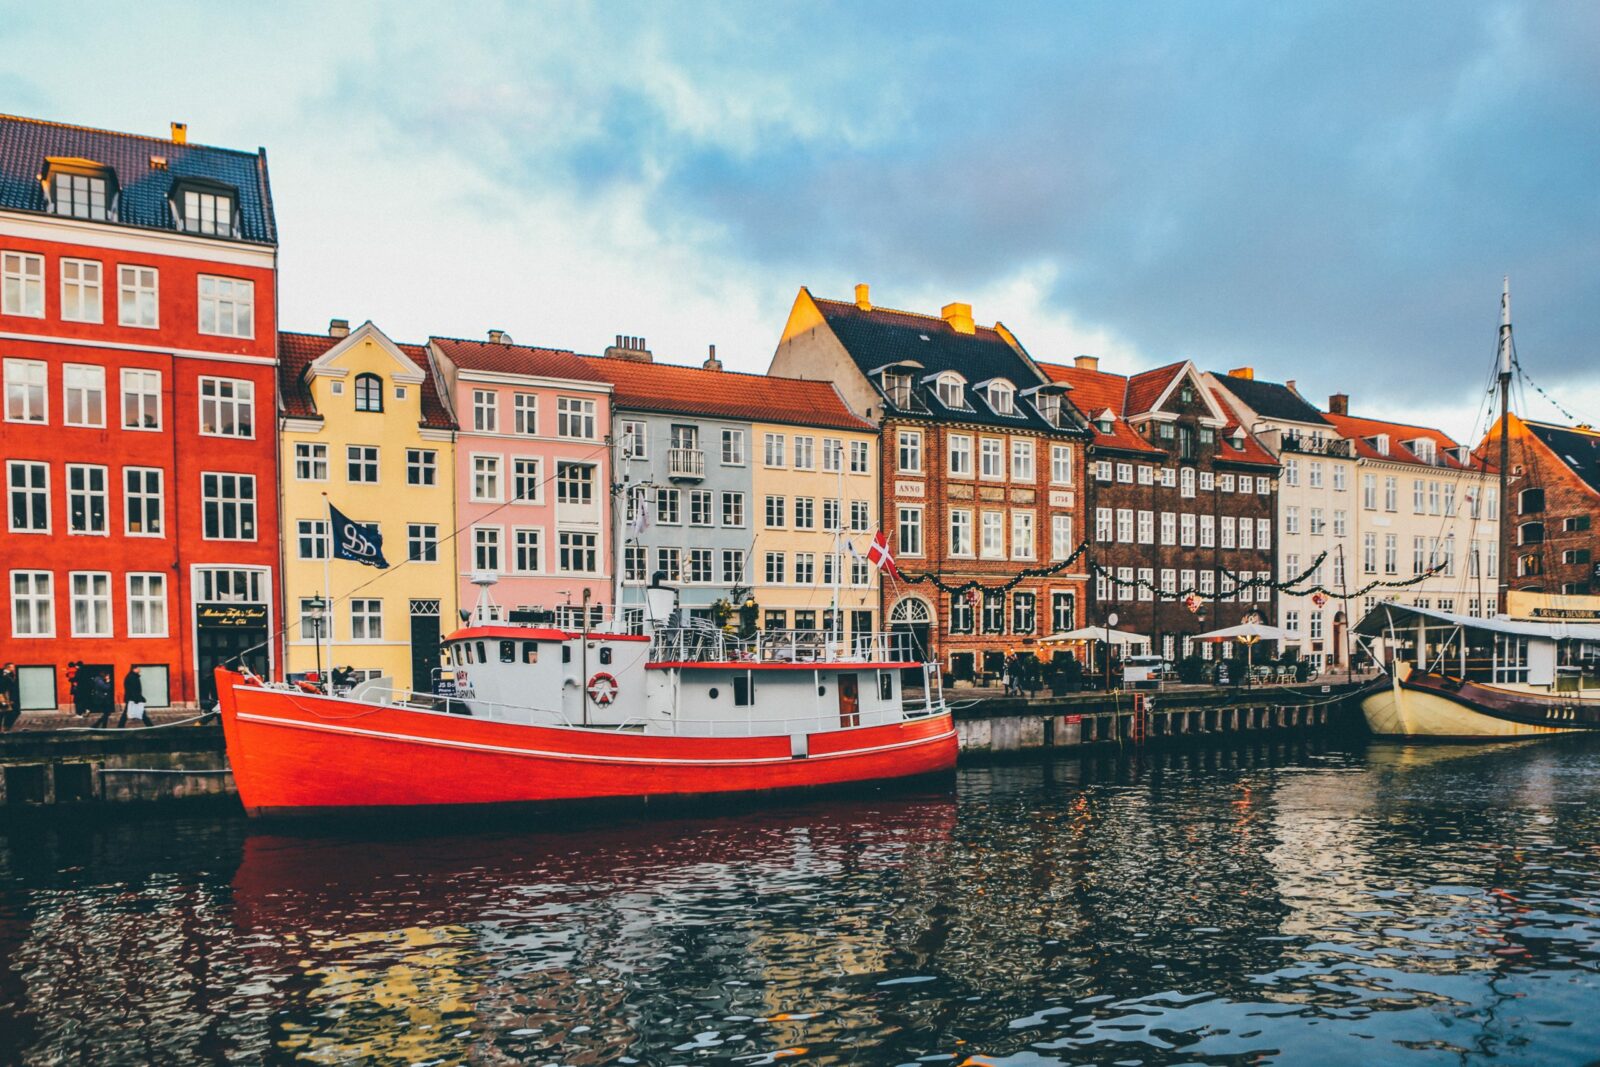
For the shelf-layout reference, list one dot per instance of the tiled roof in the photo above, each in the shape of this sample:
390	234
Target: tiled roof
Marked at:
676	390
882	336
516	359
297	351
1146	387
1271	400
26	143
1094	392
1358	430
1579	449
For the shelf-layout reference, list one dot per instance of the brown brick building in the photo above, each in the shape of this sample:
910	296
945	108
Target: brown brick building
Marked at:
982	470
1179	496
1548	538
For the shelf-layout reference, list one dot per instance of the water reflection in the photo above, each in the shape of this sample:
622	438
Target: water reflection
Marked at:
1247	905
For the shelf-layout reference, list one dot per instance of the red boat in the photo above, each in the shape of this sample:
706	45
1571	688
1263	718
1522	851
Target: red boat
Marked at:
525	714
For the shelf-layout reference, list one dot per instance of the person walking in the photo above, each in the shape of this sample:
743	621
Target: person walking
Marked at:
98	695
72	687
10	698
133	699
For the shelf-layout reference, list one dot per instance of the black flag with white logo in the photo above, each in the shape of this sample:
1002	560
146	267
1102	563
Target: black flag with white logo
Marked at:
359	542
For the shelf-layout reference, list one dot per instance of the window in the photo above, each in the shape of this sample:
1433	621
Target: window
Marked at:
1530	501
699	566
33	609
1022	613
486	478
91	603
744	689
1186	529
142	503
79	196
1102	525
578	552
1530	533
1291	471
1063	612
1246	534
1147	474
366	619
525	550
1147	527
1169	528
86	499
83	391
1102	470
1061	536
1146	583
733	448
860	455
525	479
227	306
208	212
860	572
28	486
994	611
525	420
138	296
1227	531
775	512
830	516
633	563
1208	531
1391	493
1022	535
960	450
227	407
910	531
991	458
421	466
1263	533
228	506
575	484
669	507
832	454
575	418
1291	519
1021	460
485	411
1575	523
486	548
1208	481
805	568
960	532
805	513
1186	482
147	605
1169	477
992	544
1340	522
635	439
1002	398
1318	524
860	516
1061	464
774	568
732	566
1125	526
909	444
732	509
1227	483
22	284
1339	478
960	614
772	449
1391	554
369	392
312	538
422	542
1578	556
361	463
805	453
950	392
25	391
80	291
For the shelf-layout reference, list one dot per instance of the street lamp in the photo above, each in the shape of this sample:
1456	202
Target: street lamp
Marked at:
318	607
1111	620
1248	641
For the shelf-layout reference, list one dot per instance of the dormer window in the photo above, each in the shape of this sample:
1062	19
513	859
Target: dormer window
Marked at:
1423	449
209	208
1380	443
897	387
1049	407
950	388
1104	426
1001	398
80	189
1237	439
369	392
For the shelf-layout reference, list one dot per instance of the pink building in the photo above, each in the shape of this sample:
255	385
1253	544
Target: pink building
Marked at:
533	475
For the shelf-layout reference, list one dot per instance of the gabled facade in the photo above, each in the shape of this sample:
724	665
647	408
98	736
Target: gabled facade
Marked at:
364	429
1181	497
1317	503
533	473
1552	506
138	282
981	470
740	478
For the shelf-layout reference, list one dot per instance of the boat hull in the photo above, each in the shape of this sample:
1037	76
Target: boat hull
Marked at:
1429	706
305	754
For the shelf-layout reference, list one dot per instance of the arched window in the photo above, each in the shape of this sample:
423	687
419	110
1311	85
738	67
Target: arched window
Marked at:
949	387
369	392
911	610
1529	565
1000	397
1530	501
1530	533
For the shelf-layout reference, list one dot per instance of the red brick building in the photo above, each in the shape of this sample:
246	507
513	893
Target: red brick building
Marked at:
1180	496
1548	537
137	332
982	470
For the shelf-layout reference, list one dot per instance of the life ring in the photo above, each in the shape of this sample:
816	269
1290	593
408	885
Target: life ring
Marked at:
602	689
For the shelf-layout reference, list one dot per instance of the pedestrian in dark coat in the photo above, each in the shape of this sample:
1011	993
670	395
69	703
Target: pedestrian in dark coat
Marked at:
10	697
72	686
133	699
99	697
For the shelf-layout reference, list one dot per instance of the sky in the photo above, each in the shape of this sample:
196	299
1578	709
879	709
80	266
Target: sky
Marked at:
1326	192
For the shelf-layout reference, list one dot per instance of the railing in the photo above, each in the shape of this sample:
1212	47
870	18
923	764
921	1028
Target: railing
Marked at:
686	463
707	644
1311	447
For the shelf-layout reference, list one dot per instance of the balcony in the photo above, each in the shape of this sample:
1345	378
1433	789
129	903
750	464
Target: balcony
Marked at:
686	464
1311	447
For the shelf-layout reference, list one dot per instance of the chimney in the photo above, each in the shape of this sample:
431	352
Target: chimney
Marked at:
338	327
1339	404
1247	373
864	297
712	362
1289	385
629	348
1087	363
499	337
180	133
959	316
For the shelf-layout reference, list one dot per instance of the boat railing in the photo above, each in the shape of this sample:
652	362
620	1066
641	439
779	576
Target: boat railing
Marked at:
707	644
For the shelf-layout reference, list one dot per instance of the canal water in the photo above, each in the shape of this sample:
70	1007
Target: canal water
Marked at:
1279	904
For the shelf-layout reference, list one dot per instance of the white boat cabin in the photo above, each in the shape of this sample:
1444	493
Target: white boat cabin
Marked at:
1530	655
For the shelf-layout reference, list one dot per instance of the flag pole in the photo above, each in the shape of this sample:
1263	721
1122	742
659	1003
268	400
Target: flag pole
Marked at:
327	592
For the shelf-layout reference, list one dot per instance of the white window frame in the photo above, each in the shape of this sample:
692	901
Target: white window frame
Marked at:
525	414
243	397
89	494
1060	465
142	494
234	298
98	600
1022	535
908	520
366	620
138	296
241	504
523	540
141	599
575	418
134	381
11	488
91	380
361	462
32	377
40	599
992	454
485	411
22	284
486	472
75	290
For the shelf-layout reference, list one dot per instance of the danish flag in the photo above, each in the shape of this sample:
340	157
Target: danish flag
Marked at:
881	556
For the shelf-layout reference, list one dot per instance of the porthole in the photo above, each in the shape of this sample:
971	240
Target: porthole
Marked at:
822	690
713	693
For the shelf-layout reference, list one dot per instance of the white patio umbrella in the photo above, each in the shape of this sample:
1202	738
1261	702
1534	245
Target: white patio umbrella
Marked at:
1249	631
1095	633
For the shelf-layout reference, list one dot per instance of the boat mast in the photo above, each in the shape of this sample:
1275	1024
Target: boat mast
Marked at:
1505	437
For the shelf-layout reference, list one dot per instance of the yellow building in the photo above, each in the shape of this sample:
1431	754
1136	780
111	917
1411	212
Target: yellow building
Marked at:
363	428
814	494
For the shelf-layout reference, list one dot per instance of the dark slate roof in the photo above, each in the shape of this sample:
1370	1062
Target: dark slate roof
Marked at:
1270	400
296	353
1578	449
26	143
882	336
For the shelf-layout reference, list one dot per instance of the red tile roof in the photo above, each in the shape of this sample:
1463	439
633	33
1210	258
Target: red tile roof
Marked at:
297	351
1359	429
677	390
1146	387
1095	391
516	359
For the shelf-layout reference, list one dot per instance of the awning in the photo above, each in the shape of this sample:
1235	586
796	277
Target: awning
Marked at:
1406	616
1256	630
1095	633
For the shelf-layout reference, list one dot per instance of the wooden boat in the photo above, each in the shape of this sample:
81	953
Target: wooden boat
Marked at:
531	714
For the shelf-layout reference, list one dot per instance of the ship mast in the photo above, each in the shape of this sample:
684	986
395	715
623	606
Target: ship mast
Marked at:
1505	436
